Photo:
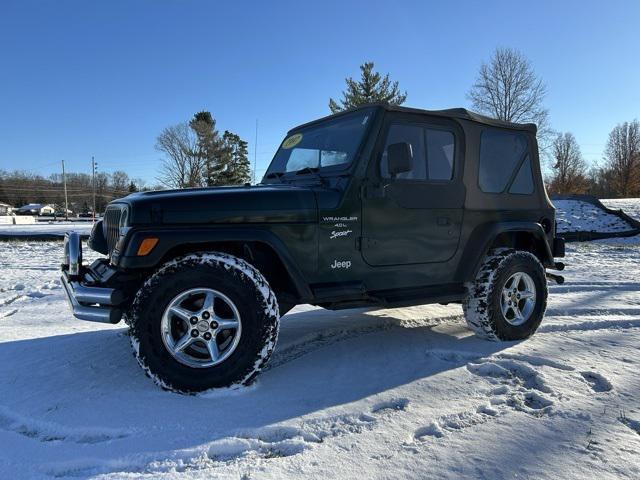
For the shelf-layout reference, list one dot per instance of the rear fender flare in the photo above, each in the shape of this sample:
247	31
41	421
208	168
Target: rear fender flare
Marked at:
483	236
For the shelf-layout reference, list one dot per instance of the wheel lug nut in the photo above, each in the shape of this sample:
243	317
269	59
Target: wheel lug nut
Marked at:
214	324
193	320
207	336
206	315
195	333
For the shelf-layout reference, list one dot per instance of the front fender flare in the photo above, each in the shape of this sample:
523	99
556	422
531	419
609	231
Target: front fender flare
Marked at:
172	238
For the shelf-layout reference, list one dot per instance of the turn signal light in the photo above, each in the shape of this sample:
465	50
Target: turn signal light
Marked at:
146	246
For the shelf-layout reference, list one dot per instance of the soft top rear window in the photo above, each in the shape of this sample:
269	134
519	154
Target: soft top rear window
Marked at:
501	152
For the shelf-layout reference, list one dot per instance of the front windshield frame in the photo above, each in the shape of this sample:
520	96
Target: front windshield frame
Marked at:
278	168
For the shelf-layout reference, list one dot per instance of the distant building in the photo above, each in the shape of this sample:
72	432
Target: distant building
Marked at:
36	209
60	212
5	209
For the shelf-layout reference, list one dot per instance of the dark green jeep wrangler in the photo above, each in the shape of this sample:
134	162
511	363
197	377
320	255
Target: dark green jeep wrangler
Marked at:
377	206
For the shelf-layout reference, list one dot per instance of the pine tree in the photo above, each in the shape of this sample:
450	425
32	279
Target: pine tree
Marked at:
208	147
372	87
234	156
133	187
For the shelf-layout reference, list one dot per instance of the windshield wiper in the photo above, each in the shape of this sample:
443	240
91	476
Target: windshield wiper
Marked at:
277	175
305	170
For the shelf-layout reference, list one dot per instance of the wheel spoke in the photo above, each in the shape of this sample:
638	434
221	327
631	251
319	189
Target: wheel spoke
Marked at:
183	343
516	280
227	324
209	300
182	313
505	309
527	294
212	346
517	314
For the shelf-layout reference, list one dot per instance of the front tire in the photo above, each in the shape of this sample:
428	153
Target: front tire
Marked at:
205	320
508	297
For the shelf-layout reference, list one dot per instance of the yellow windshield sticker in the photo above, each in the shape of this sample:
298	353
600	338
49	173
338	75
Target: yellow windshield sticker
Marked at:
292	141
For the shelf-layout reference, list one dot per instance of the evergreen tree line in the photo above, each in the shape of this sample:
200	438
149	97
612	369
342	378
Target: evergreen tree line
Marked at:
20	188
196	155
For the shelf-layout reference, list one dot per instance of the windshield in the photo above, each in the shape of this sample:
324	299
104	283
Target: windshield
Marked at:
333	143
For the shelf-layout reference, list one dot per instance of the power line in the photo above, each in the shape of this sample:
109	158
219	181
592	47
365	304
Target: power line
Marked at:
66	199
94	167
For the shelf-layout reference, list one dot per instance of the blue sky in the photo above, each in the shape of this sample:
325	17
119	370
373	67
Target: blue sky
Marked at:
103	78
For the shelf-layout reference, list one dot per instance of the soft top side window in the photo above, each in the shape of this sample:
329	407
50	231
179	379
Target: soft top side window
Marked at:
523	183
501	153
433	152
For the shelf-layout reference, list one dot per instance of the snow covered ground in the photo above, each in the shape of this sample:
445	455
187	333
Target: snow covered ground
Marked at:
402	393
53	228
578	216
630	206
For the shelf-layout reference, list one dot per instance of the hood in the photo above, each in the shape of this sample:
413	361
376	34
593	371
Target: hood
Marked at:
247	204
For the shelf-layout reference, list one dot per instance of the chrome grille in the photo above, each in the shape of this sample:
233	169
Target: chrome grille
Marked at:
111	225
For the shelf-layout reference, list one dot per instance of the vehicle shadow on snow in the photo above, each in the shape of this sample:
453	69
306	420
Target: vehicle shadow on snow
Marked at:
326	359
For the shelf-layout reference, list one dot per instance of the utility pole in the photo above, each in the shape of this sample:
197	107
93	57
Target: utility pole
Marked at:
66	200
255	154
94	167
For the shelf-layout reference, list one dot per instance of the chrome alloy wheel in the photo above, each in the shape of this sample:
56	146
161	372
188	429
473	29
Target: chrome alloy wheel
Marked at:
201	327
518	298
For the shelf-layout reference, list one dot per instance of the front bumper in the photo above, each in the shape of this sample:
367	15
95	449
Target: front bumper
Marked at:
88	298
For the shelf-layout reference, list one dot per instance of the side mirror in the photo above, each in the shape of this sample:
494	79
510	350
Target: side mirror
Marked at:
399	158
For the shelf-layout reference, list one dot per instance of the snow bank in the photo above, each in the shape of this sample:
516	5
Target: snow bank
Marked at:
630	206
579	216
17	220
44	230
24	220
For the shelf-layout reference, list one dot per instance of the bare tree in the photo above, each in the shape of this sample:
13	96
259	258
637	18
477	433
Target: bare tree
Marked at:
508	89
120	182
570	169
182	167
622	154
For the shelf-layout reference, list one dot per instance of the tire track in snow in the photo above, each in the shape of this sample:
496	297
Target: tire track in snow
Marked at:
593	287
45	431
264	443
590	326
324	338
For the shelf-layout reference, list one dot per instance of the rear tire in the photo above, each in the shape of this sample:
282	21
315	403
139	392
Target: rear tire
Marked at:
508	297
202	321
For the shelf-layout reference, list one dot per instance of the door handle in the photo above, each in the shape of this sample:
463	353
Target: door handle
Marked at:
443	221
